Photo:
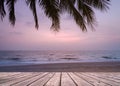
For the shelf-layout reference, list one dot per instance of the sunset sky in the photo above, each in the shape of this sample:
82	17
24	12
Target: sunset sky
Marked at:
24	36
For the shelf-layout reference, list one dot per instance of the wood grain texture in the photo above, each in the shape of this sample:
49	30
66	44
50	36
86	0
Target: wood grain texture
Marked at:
60	79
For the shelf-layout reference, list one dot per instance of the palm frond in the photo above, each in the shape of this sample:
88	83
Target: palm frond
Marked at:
98	4
10	4
87	12
2	9
81	10
51	9
32	5
69	6
64	4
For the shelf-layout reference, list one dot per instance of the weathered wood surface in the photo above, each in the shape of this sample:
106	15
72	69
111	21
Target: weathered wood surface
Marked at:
60	79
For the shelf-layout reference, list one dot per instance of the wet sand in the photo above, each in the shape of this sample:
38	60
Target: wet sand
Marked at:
65	67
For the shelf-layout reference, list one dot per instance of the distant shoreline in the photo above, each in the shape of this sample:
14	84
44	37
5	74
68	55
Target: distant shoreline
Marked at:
113	66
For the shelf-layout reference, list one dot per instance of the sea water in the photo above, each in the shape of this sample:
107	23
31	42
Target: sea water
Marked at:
47	56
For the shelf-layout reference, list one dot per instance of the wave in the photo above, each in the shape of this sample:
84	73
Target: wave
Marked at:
108	57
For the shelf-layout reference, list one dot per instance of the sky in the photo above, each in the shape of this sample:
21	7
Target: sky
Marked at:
24	36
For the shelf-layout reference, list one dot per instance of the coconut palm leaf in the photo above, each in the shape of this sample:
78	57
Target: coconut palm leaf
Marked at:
2	9
51	9
10	4
32	5
98	4
81	11
69	5
87	12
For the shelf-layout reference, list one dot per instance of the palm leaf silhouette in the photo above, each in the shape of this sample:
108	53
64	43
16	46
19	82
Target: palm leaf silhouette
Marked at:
51	9
81	11
32	4
10	4
2	9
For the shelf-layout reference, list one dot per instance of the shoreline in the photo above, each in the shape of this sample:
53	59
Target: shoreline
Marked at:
113	66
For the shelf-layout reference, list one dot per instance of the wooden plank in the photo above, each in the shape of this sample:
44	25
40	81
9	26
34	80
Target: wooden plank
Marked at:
28	81
8	74
79	81
111	76
25	76
11	78
43	80
60	79
102	79
66	80
92	81
55	80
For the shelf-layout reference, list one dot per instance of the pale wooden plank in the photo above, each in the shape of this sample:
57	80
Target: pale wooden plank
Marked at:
55	81
66	80
28	81
92	81
43	80
110	76
8	74
72	79
79	81
11	78
19	79
105	80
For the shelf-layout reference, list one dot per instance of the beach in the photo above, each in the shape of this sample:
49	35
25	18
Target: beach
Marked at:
113	66
21	70
88	68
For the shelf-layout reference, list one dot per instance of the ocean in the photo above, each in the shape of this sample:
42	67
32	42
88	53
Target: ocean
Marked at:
43	57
